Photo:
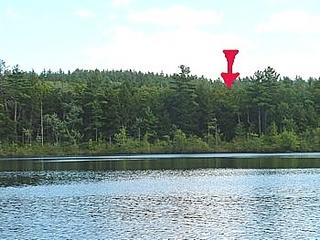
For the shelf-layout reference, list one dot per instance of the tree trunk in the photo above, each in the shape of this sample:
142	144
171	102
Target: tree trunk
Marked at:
5	106
31	118
41	121
265	121
259	121
15	119
216	135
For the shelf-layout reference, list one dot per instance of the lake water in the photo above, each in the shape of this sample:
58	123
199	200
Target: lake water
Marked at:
206	196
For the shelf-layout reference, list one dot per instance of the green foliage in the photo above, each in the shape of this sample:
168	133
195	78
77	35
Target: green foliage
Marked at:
288	141
121	137
92	111
273	131
179	140
182	143
182	103
240	131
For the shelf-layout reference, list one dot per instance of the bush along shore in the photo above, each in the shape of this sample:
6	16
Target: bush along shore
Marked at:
180	143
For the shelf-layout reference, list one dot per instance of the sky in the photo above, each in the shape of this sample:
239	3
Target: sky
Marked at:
158	36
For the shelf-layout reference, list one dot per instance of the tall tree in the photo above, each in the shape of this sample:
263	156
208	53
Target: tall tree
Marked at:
182	105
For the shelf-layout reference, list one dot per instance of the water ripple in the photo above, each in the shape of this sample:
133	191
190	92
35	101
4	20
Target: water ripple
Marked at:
172	204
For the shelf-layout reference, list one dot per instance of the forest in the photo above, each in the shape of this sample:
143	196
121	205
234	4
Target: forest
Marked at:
109	111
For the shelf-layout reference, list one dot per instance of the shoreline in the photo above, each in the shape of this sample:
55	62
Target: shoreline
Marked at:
158	156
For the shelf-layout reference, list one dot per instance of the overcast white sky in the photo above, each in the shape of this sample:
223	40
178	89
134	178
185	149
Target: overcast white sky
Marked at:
160	35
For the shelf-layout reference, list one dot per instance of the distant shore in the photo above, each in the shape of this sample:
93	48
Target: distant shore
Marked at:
117	157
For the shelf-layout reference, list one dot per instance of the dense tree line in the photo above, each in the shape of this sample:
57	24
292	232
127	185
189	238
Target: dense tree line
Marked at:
130	110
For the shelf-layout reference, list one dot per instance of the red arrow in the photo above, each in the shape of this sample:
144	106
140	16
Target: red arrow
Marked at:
230	77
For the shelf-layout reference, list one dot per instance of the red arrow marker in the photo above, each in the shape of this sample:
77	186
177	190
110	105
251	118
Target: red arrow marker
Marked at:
230	77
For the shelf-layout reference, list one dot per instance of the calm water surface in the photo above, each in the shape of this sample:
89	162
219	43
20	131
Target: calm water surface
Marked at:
161	198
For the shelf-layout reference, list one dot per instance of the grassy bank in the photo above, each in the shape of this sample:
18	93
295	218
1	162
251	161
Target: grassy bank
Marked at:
180	143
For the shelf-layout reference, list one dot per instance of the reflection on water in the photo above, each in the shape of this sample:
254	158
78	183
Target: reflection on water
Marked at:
165	199
157	164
